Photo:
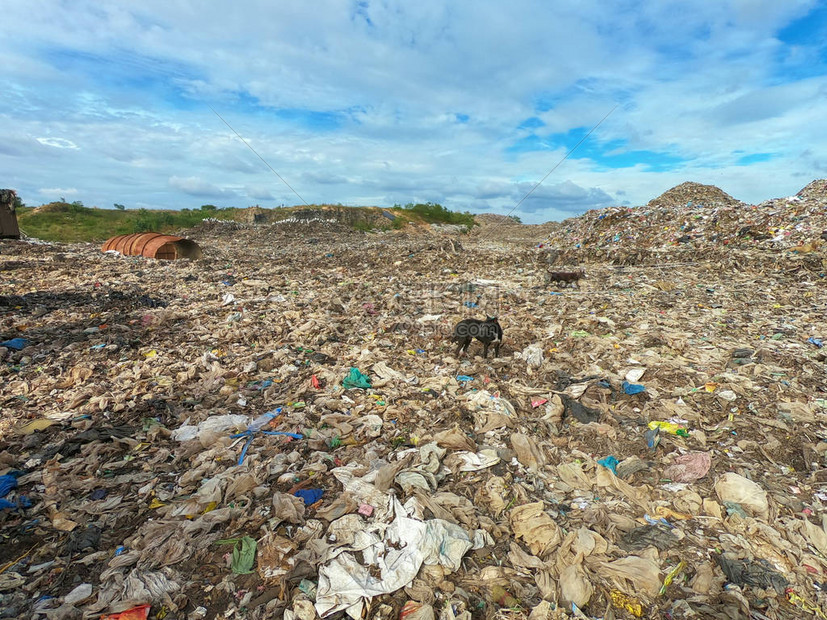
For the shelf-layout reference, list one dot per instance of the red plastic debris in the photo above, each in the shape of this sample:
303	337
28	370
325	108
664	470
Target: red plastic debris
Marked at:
141	612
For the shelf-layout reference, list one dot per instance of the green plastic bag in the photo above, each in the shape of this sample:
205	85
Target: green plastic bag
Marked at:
244	554
356	379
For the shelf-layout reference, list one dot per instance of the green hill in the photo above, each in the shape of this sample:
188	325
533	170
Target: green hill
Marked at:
73	222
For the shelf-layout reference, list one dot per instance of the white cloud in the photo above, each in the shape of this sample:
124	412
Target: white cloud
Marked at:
384	102
58	192
58	143
195	186
259	193
565	198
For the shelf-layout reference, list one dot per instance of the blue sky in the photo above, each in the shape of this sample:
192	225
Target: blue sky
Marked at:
468	104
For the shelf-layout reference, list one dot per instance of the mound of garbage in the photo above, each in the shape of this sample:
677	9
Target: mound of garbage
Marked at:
692	218
694	194
284	428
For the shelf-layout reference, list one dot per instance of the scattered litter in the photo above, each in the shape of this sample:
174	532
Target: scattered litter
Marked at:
141	612
747	573
734	488
610	463
669	427
15	344
309	496
355	379
633	388
244	554
689	467
285	428
79	594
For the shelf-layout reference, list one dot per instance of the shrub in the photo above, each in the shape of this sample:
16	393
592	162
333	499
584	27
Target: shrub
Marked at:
363	226
77	207
434	212
144	221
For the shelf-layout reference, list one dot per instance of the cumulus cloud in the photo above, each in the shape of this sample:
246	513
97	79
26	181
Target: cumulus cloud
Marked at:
377	103
566	197
195	186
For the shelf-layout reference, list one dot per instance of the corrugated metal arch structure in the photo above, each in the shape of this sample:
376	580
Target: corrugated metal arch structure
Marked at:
154	245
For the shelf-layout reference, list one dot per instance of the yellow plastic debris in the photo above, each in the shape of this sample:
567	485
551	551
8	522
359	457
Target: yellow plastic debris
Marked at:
805	605
671	576
627	603
34	425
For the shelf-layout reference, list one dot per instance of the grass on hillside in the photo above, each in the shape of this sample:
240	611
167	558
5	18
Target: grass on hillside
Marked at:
72	222
434	213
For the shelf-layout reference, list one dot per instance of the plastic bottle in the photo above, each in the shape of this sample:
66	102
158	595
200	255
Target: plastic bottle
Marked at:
263	420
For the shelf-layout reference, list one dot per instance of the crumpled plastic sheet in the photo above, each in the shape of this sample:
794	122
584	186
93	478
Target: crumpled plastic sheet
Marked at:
344	582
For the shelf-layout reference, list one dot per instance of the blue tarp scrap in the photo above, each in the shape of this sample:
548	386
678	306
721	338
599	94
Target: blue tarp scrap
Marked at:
610	463
7	484
633	388
310	496
250	435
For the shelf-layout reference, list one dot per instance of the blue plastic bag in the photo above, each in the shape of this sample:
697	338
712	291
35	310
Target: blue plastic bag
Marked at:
16	344
633	388
310	496
609	462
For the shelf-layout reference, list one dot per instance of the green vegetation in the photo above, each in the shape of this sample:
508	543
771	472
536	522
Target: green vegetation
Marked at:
363	226
432	213
72	222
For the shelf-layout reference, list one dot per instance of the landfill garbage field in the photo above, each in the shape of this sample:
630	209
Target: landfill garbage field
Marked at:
283	428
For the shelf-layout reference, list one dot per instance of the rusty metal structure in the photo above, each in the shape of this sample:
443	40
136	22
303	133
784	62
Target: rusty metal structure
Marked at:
8	216
153	245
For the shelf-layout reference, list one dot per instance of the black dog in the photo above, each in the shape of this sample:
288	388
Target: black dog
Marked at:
487	332
565	277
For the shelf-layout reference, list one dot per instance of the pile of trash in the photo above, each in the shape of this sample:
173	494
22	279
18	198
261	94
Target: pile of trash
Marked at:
694	194
284	429
693	217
